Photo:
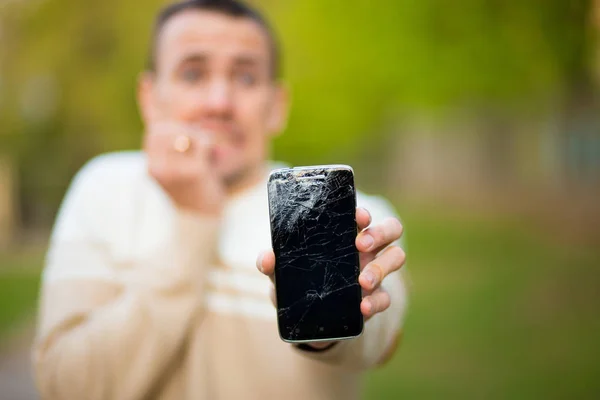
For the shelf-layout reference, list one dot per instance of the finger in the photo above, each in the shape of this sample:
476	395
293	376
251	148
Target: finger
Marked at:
198	144
159	133
379	236
175	156
265	262
158	164
366	258
165	137
375	303
321	345
387	262
363	218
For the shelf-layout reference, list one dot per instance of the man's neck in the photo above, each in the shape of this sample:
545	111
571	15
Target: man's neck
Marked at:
245	180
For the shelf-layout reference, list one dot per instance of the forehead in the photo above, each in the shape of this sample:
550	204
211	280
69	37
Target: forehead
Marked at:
213	33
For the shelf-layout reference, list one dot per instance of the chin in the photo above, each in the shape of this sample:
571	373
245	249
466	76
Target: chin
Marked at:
229	173
238	176
225	167
233	166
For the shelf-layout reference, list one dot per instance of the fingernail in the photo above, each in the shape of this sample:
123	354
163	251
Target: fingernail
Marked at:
259	261
367	241
370	277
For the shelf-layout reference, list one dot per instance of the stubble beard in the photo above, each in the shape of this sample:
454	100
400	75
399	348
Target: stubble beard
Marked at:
242	178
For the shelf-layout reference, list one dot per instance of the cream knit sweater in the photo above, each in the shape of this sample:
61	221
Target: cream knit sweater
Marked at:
142	301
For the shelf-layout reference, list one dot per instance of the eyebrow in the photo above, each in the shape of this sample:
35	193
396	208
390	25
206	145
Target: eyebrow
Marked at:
241	60
246	60
194	58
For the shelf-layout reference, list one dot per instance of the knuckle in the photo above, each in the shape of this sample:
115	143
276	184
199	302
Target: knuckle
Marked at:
155	172
393	228
377	269
367	214
397	227
377	233
374	304
385	301
165	177
397	254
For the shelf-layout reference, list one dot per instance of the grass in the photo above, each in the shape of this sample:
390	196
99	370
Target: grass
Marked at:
19	286
498	310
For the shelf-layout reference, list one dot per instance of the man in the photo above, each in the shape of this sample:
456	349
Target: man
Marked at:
150	289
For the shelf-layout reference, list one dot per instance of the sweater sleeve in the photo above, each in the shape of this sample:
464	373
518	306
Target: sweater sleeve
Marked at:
107	330
383	331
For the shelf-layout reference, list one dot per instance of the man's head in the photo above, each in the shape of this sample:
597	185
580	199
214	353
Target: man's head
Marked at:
214	64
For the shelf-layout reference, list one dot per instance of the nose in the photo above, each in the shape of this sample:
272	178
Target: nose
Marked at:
218	98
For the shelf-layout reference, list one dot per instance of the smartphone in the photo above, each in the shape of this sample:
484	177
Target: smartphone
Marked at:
313	233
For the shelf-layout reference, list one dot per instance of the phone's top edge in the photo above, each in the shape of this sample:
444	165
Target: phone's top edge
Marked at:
309	167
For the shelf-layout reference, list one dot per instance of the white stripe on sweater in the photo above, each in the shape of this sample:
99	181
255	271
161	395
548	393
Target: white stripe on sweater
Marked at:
251	282
236	305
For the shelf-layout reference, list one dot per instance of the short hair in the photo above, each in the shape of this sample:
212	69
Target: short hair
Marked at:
233	8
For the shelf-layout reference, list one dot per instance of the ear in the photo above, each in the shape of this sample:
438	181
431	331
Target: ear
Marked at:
145	96
278	116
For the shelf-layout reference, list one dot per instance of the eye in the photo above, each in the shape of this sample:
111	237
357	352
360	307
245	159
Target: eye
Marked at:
191	75
246	78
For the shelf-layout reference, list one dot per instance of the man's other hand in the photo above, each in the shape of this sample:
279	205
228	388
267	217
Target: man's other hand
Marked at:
179	160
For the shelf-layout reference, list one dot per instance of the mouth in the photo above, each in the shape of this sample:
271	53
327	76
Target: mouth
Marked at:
222	152
220	134
223	143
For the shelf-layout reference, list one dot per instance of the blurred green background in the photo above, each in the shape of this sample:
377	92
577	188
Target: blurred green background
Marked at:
480	120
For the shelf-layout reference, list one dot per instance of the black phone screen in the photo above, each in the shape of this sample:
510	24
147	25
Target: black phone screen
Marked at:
313	232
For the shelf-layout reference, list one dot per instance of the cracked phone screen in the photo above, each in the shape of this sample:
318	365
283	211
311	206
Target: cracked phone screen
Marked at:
313	232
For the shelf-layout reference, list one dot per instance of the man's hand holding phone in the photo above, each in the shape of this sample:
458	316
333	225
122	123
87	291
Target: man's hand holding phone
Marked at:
378	258
179	158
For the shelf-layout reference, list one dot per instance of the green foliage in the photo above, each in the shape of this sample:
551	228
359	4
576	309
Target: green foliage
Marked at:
498	310
351	66
18	294
19	287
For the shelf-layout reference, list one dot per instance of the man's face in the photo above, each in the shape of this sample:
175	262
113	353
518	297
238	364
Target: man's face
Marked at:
213	72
